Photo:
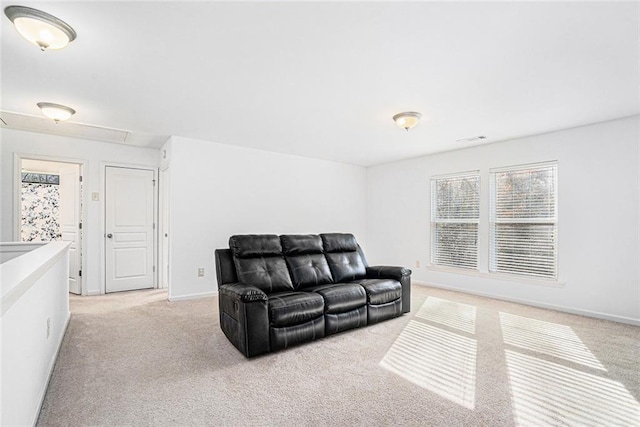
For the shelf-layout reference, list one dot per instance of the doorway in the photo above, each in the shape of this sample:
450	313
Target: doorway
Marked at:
130	212
49	208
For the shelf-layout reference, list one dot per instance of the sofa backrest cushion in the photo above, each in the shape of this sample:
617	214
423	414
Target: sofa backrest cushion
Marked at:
346	266
309	270
341	251
269	274
305	259
301	244
339	242
255	245
259	262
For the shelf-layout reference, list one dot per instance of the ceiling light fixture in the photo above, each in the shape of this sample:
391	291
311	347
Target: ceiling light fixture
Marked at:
407	120
40	28
56	112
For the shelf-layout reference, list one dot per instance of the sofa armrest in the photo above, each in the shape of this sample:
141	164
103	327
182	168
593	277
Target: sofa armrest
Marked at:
242	292
244	317
401	274
225	268
387	272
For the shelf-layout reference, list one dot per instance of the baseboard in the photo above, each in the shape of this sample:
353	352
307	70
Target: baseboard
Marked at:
570	310
52	364
93	293
193	296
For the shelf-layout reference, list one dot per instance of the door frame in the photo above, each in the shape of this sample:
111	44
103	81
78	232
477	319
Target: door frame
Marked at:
84	193
164	222
103	220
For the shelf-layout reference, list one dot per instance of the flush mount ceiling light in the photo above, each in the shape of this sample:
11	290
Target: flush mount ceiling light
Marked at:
407	120
56	112
40	28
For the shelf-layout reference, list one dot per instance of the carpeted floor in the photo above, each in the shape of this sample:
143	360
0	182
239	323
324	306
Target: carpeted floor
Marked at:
456	360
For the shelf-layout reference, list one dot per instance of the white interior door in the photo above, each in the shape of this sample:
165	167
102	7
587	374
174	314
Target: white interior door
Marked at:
70	222
129	229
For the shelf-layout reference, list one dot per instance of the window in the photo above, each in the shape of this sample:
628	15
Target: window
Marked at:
523	220
455	212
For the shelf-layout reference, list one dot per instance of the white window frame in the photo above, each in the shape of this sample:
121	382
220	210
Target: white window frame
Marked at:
434	221
493	220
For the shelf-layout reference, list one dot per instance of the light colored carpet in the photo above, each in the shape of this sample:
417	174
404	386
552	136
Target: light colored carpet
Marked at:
456	360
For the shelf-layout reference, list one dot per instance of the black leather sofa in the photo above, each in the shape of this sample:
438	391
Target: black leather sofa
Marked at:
278	291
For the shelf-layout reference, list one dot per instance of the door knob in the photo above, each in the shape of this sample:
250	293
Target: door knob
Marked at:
109	235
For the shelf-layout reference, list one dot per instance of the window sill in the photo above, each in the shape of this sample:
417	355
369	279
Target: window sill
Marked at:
497	276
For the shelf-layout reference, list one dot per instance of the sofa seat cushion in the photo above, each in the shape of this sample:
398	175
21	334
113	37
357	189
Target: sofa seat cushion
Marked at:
341	297
287	336
381	291
338	322
293	308
378	313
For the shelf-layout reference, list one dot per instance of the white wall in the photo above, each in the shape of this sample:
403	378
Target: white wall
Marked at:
95	154
35	297
598	207
219	190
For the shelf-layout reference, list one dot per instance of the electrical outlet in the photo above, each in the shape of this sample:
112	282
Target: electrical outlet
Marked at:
95	196
201	272
48	327
417	263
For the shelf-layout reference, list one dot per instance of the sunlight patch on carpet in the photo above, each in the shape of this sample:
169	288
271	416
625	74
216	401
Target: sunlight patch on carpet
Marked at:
548	338
546	393
449	313
440	361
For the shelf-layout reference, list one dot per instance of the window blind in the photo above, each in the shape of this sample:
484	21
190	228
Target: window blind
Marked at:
523	221
455	212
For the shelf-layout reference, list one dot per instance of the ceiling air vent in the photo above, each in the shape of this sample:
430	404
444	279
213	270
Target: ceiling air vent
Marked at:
78	130
472	139
43	125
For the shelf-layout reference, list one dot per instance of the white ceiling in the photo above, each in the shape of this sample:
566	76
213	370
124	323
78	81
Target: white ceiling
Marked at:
322	80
